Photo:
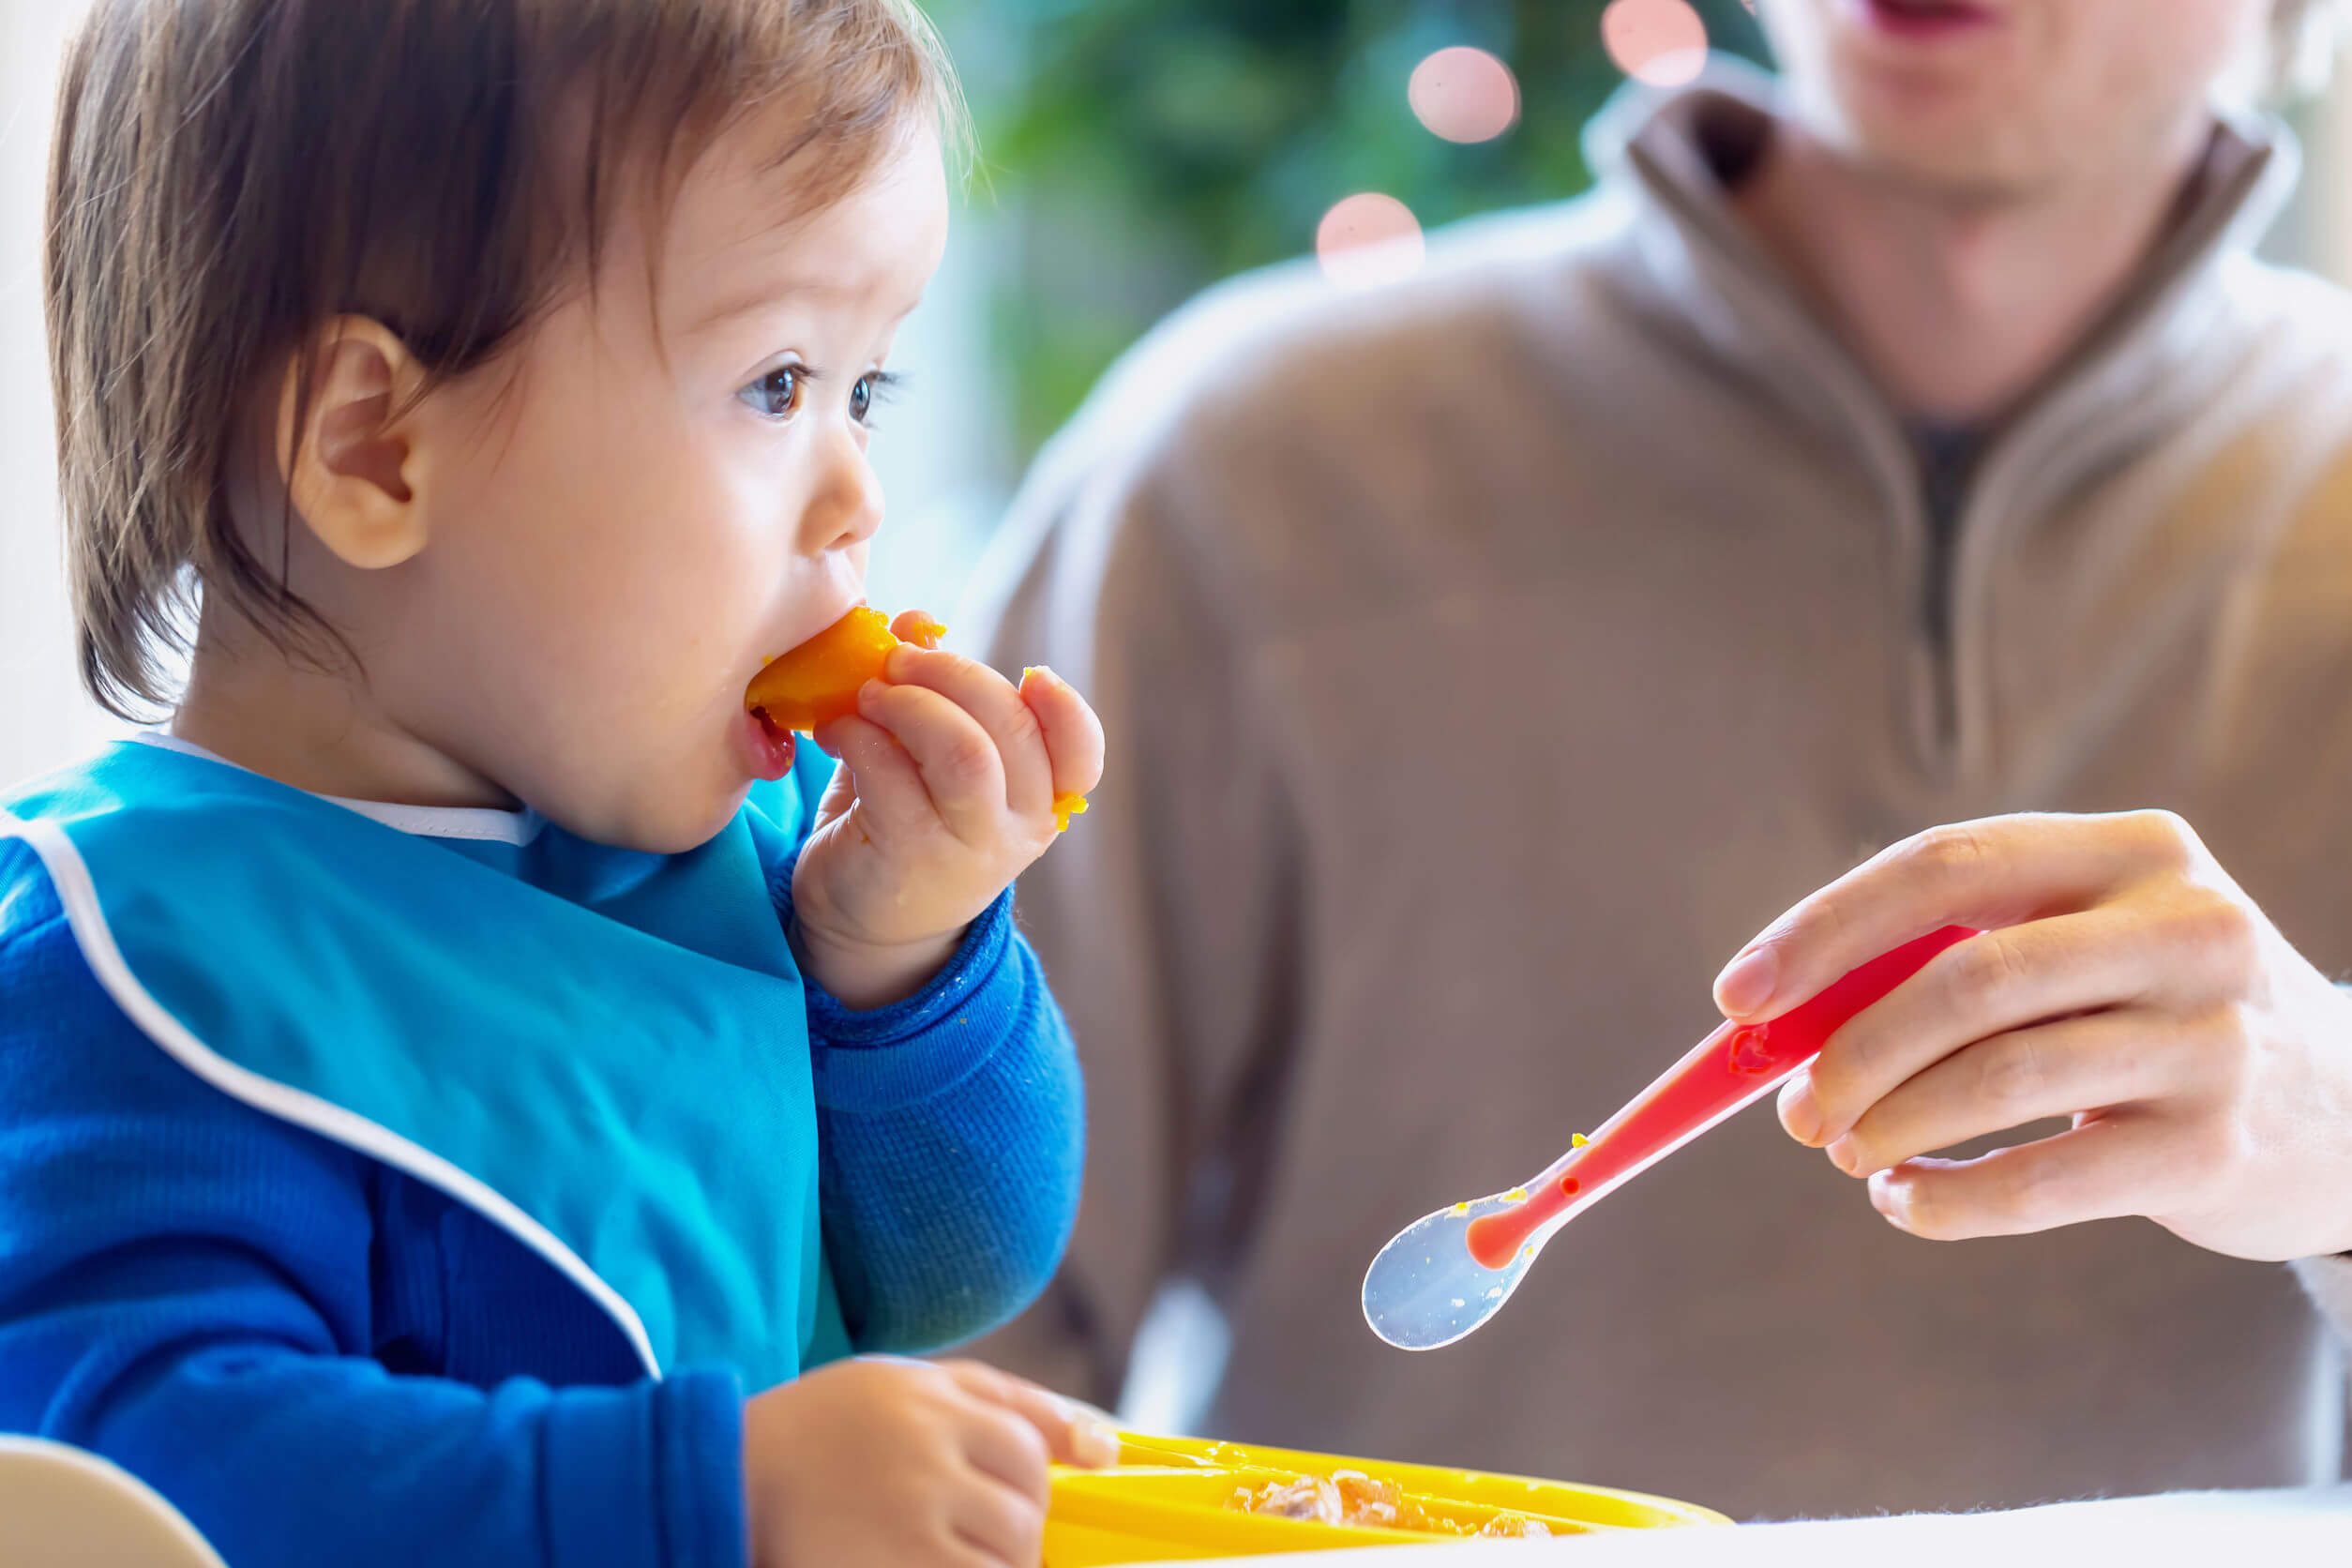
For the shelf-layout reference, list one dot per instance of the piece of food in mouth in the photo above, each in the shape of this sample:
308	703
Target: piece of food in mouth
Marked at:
817	681
1352	1497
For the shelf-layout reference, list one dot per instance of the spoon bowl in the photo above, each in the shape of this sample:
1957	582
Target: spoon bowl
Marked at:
1425	1290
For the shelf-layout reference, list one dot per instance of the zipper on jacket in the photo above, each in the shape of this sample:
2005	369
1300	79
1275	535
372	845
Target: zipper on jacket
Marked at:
1947	458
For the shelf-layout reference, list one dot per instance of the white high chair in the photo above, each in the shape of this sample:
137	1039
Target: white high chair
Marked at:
63	1508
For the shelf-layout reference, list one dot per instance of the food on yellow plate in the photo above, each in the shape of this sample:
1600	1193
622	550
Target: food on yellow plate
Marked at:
1310	1497
1349	1497
819	681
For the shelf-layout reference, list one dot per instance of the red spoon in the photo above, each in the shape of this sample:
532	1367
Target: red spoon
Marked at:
1446	1273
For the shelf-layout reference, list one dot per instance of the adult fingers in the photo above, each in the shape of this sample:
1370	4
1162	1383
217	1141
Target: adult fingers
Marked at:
1988	873
1991	984
2105	1059
2107	1166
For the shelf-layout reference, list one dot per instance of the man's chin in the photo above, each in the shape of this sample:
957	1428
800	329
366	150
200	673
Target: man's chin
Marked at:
1940	161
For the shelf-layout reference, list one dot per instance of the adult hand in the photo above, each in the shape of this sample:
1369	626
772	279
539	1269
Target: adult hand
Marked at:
2123	980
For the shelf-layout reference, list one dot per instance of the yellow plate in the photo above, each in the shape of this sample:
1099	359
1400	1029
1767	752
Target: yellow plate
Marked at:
1168	1500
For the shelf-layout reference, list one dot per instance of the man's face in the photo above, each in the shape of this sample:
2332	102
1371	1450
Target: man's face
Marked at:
2005	98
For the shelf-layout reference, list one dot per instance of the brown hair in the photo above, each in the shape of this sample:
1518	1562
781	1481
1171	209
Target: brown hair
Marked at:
229	175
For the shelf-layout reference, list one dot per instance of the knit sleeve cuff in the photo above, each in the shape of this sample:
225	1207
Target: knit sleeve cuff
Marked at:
895	1056
976	963
649	1474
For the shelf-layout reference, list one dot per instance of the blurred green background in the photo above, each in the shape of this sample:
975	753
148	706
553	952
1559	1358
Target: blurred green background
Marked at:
1140	150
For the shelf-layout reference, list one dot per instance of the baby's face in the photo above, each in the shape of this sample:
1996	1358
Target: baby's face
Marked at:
672	488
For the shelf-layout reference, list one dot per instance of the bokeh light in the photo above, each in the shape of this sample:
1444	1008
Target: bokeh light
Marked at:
1368	238
1464	95
1661	42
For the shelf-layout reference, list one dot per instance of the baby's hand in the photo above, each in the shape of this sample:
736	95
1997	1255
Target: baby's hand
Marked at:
947	792
906	1463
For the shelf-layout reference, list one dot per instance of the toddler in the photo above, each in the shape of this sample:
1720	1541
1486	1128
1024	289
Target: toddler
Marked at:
464	1052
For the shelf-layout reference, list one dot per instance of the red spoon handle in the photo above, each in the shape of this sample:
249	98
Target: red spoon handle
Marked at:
1734	1066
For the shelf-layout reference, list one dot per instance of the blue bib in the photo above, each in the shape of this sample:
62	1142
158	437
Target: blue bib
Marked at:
604	1052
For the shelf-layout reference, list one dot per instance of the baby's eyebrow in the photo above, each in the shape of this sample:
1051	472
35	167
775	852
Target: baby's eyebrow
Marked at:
770	294
749	302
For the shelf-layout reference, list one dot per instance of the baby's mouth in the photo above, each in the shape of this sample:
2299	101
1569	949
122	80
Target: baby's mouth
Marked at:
765	748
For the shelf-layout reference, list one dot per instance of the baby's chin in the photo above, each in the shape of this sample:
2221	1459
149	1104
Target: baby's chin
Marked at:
680	809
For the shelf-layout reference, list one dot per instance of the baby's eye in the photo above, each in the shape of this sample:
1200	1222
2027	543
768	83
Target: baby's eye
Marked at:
778	394
862	396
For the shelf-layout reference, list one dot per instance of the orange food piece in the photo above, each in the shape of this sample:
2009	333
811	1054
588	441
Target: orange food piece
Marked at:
1067	807
817	681
1365	1502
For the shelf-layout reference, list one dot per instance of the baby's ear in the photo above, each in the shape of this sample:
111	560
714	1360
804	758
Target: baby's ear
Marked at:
345	446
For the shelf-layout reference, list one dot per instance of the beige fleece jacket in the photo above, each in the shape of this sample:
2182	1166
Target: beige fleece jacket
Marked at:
1485	658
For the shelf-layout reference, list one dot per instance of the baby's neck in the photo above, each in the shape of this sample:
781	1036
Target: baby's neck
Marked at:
316	729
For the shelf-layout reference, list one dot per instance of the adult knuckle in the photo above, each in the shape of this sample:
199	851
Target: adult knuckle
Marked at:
2014	1077
1927	1212
1951	854
2165	837
2221	931
1985	967
1827	917
1840	1074
2034	1197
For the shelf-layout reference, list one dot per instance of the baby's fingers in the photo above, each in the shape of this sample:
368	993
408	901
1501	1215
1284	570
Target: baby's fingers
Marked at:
918	627
1073	1435
988	698
877	773
1074	736
961	770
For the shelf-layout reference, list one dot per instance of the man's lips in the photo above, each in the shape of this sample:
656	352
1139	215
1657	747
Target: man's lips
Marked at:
1927	18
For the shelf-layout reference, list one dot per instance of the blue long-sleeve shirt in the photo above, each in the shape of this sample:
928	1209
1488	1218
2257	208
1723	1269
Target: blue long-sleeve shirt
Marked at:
318	1358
